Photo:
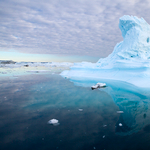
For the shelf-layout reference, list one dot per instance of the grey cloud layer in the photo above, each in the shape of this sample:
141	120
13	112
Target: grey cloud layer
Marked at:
81	27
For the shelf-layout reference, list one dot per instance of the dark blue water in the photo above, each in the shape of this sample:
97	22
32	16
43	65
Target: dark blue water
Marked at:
27	103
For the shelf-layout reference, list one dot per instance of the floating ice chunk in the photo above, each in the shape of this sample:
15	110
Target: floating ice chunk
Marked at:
120	124
94	87
101	85
104	125
80	109
98	85
120	112
54	122
103	136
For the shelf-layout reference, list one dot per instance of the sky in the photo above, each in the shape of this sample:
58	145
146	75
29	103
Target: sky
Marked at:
87	28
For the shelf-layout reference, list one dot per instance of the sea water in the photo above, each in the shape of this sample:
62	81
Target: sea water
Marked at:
113	118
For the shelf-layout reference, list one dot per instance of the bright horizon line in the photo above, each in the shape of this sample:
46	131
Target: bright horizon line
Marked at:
26	57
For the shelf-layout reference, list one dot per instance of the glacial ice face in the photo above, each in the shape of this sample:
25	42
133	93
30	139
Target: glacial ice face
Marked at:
130	60
136	44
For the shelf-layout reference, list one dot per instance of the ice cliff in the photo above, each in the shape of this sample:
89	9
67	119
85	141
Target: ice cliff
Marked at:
129	61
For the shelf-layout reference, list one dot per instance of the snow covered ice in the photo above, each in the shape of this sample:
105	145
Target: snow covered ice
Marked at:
98	85
120	124
54	122
11	64
10	68
129	61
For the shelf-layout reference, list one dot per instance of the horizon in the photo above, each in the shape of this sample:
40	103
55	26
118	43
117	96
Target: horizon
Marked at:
24	57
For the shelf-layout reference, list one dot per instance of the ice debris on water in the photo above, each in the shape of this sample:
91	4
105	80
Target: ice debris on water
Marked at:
104	125
120	112
120	124
80	109
98	85
103	136
54	122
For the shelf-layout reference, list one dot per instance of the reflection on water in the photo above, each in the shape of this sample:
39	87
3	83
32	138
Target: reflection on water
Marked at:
88	119
132	100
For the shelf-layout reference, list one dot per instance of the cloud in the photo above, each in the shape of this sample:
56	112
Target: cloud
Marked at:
79	27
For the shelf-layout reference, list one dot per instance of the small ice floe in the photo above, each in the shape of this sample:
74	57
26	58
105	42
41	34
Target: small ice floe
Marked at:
103	136
94	87
120	124
54	122
94	147
98	85
104	125
120	112
80	109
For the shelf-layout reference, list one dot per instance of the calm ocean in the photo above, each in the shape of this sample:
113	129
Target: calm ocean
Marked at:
114	118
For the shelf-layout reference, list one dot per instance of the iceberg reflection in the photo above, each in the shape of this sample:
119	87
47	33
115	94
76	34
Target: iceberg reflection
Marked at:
132	100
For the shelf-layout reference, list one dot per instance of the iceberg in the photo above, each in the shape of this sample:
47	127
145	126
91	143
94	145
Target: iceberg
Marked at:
129	61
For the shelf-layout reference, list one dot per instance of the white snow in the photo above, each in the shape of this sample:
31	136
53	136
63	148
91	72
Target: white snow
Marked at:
130	60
